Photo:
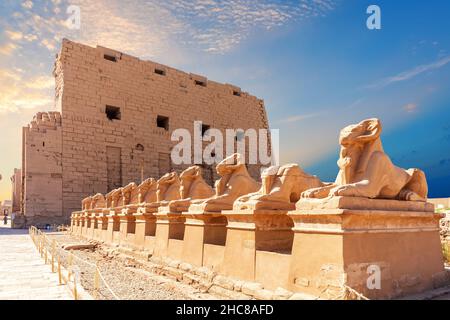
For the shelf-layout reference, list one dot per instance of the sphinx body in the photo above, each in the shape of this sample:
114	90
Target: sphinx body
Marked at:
366	171
125	195
86	203
168	188
192	187
148	190
235	181
281	189
113	198
138	194
98	201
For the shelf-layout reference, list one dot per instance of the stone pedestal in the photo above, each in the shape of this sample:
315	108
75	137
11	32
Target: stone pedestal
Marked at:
75	223
91	225
251	230
102	226
113	230
145	230
169	233
354	242
203	229
84	224
127	228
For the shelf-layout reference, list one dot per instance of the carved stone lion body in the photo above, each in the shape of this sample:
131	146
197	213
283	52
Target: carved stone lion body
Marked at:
168	187
138	193
125	196
98	201
148	191
192	187
281	188
366	171
86	203
235	181
113	198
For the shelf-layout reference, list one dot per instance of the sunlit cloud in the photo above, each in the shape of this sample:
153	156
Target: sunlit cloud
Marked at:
20	92
43	82
8	48
157	30
156	27
14	35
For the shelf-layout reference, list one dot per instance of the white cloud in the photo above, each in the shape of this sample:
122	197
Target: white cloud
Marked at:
27	4
298	118
49	44
410	107
218	26
156	28
30	37
409	74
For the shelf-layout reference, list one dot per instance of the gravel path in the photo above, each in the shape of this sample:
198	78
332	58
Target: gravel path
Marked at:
125	277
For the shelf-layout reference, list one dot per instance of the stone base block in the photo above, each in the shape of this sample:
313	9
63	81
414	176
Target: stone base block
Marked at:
200	230
113	230
252	230
169	226
380	248
145	231
127	229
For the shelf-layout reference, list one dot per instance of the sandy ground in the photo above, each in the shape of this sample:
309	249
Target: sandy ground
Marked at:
129	281
124	276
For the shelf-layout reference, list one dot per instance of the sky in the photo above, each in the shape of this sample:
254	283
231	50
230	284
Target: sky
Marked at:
314	62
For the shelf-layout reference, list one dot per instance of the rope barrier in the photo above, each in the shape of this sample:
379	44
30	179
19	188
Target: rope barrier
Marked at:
47	247
42	243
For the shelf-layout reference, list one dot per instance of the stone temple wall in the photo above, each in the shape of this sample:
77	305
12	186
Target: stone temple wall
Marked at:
42	169
16	184
117	116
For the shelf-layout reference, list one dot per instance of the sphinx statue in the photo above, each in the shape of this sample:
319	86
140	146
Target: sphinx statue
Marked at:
281	189
192	187
139	193
235	181
86	203
168	188
113	198
366	171
148	191
134	195
125	195
98	201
